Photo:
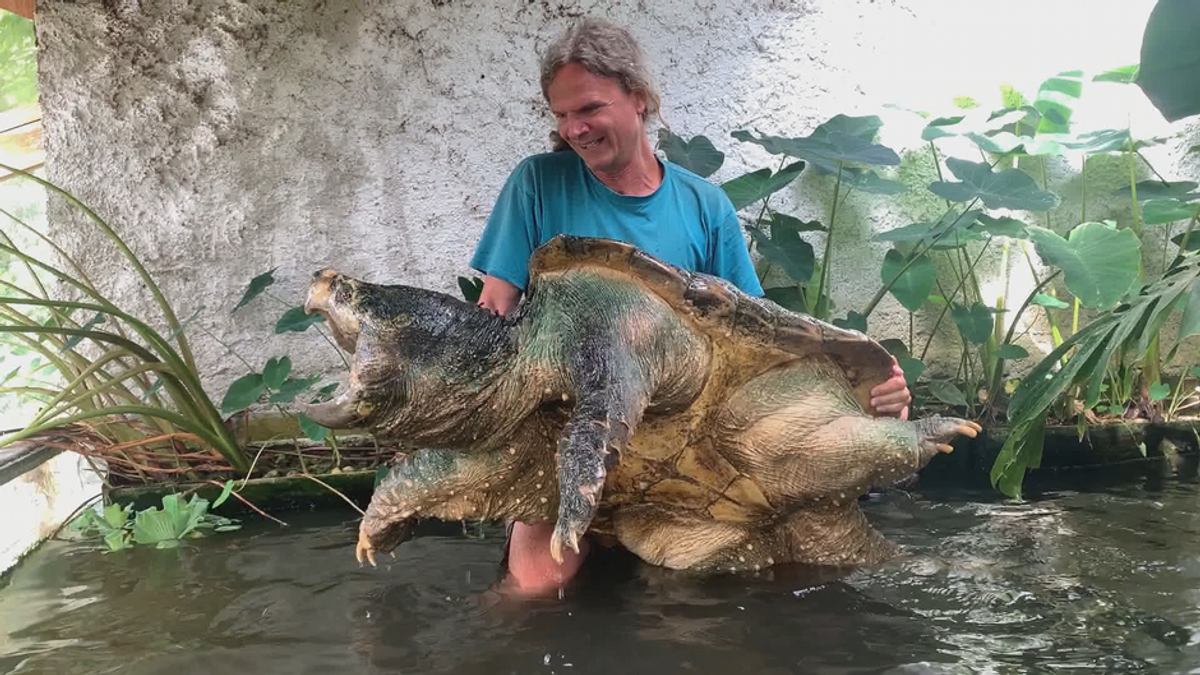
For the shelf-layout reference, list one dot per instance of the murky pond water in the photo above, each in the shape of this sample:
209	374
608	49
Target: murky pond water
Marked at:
1081	580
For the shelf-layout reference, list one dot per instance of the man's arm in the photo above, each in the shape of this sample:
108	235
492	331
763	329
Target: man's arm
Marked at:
498	296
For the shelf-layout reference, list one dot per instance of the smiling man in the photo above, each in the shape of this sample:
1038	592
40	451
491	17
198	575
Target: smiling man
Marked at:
609	184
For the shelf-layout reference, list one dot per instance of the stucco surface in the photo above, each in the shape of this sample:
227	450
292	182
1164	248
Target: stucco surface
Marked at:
224	139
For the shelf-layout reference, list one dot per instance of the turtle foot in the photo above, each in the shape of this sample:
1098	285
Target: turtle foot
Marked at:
938	432
378	536
364	551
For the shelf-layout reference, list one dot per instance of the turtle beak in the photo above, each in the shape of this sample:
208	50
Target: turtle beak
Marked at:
322	299
343	412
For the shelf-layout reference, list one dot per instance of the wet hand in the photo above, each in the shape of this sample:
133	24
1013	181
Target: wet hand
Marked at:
892	397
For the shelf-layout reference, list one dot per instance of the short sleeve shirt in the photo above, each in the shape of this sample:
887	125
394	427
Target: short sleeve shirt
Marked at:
687	221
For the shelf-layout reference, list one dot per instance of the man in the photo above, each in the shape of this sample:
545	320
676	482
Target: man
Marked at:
610	185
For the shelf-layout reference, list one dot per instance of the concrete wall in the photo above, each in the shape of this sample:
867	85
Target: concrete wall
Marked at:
39	490
227	138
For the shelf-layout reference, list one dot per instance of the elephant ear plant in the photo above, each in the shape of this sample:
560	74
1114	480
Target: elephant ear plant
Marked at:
99	365
840	150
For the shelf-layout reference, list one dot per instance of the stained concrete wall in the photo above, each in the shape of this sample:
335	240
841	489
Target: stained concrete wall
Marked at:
226	138
39	495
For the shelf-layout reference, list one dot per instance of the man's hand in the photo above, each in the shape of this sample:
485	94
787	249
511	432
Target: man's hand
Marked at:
498	296
892	397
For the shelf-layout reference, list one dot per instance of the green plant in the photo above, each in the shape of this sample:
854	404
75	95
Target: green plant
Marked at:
274	380
839	148
120	528
133	370
933	263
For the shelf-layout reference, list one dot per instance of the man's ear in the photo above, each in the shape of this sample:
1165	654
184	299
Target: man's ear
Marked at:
641	102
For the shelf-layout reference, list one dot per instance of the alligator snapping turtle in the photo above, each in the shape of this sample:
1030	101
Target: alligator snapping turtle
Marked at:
702	427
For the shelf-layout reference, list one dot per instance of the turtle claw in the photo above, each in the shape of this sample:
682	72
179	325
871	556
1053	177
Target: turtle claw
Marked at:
937	433
563	535
364	551
969	428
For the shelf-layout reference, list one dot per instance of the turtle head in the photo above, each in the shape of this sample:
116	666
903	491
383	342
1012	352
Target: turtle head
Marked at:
410	347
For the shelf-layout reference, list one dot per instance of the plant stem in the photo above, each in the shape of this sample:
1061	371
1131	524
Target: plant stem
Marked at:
822	290
949	302
916	254
999	373
229	349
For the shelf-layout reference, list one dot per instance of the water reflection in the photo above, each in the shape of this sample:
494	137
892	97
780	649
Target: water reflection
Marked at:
1072	580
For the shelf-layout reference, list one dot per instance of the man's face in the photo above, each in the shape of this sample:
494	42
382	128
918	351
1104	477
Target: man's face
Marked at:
600	120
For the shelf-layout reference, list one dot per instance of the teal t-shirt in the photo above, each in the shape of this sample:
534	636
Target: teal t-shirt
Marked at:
687	221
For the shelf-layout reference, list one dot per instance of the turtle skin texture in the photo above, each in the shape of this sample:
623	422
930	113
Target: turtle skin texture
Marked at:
702	428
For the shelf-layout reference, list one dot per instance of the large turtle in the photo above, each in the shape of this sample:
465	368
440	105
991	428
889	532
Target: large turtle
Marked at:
702	427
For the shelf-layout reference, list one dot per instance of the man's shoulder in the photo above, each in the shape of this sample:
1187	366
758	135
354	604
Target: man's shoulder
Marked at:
550	161
711	195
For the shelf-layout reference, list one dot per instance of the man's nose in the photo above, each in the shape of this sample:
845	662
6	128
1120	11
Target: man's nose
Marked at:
575	128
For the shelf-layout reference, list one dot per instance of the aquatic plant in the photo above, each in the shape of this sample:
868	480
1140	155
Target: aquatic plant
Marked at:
134	370
119	527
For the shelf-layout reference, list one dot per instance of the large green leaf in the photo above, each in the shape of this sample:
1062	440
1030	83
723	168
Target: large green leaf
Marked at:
1047	379
1002	227
1122	75
315	432
295	320
914	286
1099	262
940	128
1157	189
925	231
947	393
749	188
697	155
1022	450
853	321
788	297
243	393
1056	100
166	527
1159	211
291	388
1043	300
841	139
1099	142
1011	352
1189	325
1193	243
792	223
276	371
974	322
1011	188
868	181
845	139
257	285
471	288
1170	58
912	369
786	249
1002	143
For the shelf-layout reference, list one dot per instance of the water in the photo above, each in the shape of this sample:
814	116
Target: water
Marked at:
1082	580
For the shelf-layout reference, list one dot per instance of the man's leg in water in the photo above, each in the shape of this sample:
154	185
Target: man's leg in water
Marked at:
530	565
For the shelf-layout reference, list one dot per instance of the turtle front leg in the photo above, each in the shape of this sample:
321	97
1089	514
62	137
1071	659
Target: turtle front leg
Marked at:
452	485
608	407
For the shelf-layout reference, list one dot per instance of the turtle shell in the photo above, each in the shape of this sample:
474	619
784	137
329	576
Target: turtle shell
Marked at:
716	307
